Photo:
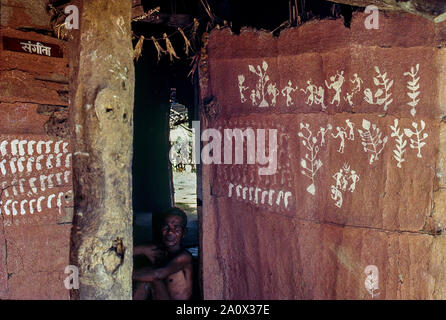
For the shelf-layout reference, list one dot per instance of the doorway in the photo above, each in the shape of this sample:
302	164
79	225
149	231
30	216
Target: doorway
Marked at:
165	106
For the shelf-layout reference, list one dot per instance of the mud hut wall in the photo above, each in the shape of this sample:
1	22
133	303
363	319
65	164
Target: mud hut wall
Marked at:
359	162
35	156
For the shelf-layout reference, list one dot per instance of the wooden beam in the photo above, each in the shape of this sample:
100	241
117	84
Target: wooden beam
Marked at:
171	20
137	9
434	10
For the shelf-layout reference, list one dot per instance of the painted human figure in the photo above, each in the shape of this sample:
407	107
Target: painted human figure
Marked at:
355	178
319	97
341	134
337	196
344	183
338	177
349	98
273	91
351	134
253	97
311	90
323	131
287	92
358	81
336	84
242	88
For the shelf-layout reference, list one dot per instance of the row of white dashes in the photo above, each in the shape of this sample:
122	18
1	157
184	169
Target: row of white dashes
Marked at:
34	206
15	165
256	195
20	147
46	182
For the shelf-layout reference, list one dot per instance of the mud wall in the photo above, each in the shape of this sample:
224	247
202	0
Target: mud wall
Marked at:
354	209
35	156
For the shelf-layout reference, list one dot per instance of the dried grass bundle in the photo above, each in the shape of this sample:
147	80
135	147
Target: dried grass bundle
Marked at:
170	48
158	47
58	18
195	28
147	14
137	52
186	42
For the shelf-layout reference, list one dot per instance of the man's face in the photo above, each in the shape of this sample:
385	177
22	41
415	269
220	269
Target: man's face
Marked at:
172	231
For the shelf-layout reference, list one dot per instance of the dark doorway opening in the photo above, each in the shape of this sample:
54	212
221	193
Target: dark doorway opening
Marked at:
162	88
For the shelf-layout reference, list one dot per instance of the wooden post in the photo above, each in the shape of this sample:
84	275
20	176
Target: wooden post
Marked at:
102	82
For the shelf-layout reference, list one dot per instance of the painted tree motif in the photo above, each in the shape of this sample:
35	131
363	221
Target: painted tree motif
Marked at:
261	83
418	142
413	86
398	153
310	164
383	94
372	140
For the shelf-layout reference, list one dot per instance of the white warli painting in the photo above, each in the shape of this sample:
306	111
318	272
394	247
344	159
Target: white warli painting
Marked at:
340	134
351	130
343	134
273	92
258	96
310	163
31	173
286	92
371	281
413	85
257	196
345	181
417	142
242	87
372	140
335	84
357	82
400	143
322	133
316	95
382	95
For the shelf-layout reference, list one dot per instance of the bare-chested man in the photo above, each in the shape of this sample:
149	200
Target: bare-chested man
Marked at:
170	275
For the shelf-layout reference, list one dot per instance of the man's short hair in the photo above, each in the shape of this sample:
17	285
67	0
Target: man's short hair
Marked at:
175	212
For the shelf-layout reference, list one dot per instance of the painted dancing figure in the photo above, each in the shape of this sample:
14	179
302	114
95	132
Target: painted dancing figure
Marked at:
341	134
336	84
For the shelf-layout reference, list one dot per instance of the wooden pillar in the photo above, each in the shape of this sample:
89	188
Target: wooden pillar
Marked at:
102	79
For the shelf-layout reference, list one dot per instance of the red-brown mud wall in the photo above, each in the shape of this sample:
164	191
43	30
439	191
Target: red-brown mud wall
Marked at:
35	157
360	163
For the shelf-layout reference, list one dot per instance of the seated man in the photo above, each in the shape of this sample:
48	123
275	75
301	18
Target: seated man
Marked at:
170	274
